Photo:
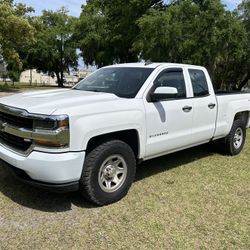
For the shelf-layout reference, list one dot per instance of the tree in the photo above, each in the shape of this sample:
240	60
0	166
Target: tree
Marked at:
91	34
196	32
107	29
15	32
54	50
244	9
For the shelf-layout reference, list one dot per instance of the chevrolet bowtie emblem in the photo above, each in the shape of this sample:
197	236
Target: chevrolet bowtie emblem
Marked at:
2	126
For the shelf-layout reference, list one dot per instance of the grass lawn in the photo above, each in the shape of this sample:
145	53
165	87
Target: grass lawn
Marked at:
194	199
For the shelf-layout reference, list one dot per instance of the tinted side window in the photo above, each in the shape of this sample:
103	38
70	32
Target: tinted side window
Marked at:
199	82
172	79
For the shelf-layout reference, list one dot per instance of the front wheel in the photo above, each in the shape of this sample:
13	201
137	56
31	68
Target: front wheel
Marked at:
235	141
108	172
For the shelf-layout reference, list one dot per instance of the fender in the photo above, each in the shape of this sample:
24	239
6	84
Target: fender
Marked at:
86	127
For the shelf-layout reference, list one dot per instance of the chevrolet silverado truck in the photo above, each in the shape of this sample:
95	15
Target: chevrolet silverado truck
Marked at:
90	138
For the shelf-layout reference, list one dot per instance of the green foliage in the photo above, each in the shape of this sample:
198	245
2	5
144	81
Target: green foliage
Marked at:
186	31
244	9
54	50
91	34
15	32
107	29
201	33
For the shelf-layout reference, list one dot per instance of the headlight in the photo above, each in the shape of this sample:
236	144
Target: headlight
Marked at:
51	122
51	131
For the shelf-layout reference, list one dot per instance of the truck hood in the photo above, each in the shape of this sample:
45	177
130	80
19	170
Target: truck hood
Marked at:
47	102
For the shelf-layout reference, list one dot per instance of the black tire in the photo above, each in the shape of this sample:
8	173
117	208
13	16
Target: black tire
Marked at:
230	147
90	186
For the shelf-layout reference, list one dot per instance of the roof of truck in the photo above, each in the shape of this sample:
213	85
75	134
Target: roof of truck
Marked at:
152	65
137	65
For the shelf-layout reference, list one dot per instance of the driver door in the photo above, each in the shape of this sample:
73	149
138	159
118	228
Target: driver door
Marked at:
169	122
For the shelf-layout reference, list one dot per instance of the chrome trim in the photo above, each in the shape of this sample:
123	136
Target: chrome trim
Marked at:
57	136
13	111
17	151
25	114
2	126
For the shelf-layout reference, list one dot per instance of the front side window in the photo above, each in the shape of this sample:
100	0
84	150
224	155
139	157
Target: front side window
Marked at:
121	81
199	83
169	78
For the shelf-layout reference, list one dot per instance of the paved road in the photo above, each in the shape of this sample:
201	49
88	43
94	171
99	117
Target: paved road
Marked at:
2	93
5	94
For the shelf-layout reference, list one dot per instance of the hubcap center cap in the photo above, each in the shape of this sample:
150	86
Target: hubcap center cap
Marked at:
109	172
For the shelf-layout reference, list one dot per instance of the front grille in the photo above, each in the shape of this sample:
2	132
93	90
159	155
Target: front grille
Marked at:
12	141
17	121
15	142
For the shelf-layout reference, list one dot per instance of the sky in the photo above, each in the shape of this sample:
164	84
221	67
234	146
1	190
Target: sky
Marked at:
74	6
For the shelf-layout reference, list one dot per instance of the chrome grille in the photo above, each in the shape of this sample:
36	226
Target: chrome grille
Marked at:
16	121
15	118
15	142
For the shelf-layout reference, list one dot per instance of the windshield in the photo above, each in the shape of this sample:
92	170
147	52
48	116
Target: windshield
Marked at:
123	82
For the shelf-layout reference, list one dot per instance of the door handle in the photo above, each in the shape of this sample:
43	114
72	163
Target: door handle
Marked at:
187	108
211	105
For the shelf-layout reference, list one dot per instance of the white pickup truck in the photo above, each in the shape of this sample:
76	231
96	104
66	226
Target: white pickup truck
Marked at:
89	138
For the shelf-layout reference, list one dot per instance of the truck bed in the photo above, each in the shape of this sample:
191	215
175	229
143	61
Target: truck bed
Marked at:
223	92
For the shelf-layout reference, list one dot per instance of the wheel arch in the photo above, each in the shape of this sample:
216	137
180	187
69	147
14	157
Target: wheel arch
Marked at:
130	136
244	116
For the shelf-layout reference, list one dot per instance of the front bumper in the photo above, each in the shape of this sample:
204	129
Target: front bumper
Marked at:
47	168
57	188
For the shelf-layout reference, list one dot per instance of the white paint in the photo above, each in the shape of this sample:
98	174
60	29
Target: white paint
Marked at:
162	127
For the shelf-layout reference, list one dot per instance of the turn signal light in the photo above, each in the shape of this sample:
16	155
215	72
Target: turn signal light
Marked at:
63	123
48	143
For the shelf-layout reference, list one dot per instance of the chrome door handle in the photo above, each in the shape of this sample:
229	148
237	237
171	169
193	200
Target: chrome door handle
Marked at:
211	105
187	108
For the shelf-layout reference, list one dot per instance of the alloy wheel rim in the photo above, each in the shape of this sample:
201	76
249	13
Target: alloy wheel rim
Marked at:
112	173
238	138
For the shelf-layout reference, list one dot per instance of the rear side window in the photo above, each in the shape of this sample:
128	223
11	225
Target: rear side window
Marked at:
199	82
172	79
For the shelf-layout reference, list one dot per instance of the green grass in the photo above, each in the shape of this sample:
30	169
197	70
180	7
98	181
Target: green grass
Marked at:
194	199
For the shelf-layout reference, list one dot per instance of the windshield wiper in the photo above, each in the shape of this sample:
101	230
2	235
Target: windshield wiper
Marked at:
99	91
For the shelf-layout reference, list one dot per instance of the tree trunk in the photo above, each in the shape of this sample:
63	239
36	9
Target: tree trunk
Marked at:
62	78
244	82
61	63
59	80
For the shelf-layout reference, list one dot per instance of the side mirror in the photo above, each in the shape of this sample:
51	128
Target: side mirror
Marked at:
163	93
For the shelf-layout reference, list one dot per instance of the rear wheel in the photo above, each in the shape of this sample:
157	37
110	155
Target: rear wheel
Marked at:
235	141
108	172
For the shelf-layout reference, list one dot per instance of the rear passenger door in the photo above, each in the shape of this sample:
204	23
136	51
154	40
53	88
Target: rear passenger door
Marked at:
204	106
